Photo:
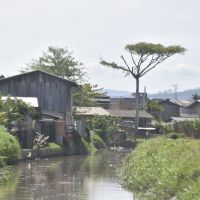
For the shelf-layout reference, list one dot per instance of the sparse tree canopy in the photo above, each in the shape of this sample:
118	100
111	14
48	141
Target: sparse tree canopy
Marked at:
144	57
58	61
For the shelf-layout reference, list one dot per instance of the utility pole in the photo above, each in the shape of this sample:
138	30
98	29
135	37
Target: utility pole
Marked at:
175	86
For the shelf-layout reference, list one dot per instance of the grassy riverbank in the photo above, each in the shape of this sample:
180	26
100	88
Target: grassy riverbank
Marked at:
9	151
164	169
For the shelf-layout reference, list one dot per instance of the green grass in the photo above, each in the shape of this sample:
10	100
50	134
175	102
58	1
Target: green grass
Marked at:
162	168
54	146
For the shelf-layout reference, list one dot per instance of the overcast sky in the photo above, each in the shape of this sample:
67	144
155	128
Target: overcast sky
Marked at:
101	28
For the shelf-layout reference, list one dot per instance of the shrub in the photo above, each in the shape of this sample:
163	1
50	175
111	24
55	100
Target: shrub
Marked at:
164	169
9	147
174	136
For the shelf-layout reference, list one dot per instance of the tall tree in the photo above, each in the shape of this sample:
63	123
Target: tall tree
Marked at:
58	61
144	57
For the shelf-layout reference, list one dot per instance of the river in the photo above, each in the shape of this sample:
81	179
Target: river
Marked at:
68	178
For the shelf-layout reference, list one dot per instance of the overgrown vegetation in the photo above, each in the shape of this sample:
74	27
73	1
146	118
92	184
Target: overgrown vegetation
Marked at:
9	151
154	108
9	147
13	111
189	128
84	95
164	168
104	126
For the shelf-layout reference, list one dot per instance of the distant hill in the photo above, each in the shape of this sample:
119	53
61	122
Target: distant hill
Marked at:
117	93
187	94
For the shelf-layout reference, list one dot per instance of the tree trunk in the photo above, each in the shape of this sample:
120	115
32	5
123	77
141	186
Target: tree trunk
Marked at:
136	108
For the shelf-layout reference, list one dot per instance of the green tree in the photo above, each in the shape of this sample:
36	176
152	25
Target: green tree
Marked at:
144	57
104	126
195	96
154	108
60	62
84	96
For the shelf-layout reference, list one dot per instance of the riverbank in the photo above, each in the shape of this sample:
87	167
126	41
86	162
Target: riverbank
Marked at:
162	168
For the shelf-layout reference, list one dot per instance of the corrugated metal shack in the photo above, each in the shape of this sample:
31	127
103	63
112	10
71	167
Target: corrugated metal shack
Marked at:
54	96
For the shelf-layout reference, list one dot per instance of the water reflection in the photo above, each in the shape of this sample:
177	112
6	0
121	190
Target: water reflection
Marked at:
72	177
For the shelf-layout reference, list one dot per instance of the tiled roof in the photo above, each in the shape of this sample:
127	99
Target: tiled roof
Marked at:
91	111
129	113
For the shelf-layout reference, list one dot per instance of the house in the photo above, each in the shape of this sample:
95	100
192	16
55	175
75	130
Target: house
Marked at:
128	120
53	95
194	108
84	113
103	101
169	109
185	108
129	115
129	103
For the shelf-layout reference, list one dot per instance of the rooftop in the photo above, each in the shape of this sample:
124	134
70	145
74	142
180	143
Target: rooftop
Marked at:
38	71
91	111
129	113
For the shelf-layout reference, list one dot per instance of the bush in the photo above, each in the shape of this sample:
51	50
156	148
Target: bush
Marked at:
174	136
9	147
162	168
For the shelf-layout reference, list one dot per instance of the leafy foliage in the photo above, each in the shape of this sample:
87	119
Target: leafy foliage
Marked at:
164	128
189	128
60	62
9	147
14	110
85	95
164	169
154	108
196	96
104	126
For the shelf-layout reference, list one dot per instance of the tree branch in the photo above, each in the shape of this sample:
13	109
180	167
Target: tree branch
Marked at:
133	60
129	68
145	70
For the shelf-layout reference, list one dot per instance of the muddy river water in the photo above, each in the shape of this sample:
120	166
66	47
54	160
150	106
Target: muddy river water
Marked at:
70	177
